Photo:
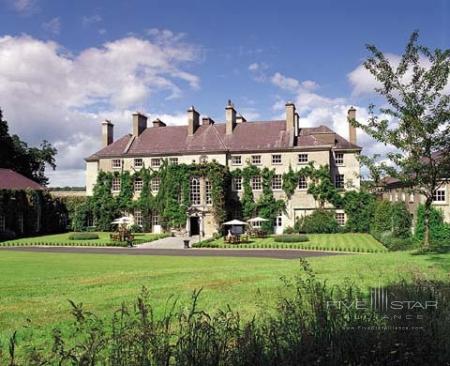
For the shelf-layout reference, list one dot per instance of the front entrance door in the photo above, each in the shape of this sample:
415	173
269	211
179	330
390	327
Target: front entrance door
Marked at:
195	226
278	225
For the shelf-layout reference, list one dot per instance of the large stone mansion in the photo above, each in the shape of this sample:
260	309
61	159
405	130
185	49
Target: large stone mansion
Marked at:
278	145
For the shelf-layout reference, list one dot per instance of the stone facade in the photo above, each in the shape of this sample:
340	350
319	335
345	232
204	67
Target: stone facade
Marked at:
277	145
394	192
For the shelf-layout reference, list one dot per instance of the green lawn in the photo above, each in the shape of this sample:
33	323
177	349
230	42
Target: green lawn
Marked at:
37	286
348	242
63	239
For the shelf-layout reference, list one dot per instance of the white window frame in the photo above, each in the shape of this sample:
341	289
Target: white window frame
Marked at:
155	162
155	184
173	161
277	182
116	184
116	163
303	158
256	183
340	218
237	184
2	223
339	181
194	191
256	159
302	183
138	218
440	196
236	160
339	158
411	197
140	164
277	159
155	220
138	183
208	192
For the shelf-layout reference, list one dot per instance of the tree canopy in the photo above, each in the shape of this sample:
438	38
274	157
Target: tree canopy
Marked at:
29	161
417	111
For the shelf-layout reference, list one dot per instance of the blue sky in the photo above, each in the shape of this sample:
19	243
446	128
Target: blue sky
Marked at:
69	64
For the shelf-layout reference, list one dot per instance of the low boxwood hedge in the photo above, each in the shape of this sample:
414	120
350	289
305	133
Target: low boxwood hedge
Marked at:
290	238
83	236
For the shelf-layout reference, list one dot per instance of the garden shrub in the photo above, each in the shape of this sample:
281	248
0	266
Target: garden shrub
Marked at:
320	221
439	231
290	238
289	230
7	235
83	236
401	220
382	217
359	207
136	228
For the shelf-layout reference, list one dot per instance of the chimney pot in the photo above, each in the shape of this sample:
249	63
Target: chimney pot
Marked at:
193	120
139	123
290	117
107	133
230	116
351	116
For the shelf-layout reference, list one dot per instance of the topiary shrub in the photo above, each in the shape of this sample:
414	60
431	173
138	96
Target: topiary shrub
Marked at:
320	221
382	218
401	221
83	236
290	238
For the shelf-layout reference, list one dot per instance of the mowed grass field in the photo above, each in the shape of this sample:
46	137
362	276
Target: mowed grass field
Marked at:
63	239
347	242
37	286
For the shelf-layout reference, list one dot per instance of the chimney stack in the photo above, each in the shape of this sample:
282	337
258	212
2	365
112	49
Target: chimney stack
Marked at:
230	114
107	133
290	117
139	123
193	120
158	123
351	116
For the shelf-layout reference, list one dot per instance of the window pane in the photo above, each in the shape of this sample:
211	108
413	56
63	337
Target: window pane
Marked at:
302	158
195	191
277	182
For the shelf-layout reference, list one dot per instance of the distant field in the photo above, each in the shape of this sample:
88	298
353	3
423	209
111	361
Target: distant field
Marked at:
37	286
348	242
63	239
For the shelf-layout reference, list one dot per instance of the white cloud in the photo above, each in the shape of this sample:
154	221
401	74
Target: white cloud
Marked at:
88	20
23	7
53	26
363	82
48	93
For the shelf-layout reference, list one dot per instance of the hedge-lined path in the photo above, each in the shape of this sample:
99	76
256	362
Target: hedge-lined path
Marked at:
256	253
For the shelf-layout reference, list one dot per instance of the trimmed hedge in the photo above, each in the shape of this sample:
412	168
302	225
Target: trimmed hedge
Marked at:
320	221
290	238
83	236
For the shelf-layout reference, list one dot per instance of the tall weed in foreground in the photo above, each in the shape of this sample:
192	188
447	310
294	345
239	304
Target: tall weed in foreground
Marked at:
313	324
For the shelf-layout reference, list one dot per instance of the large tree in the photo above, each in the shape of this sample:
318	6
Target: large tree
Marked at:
17	155
418	117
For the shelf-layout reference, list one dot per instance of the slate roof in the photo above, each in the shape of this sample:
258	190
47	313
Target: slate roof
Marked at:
212	138
9	179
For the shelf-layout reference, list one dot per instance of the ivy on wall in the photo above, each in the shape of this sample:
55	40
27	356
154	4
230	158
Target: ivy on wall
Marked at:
172	200
29	212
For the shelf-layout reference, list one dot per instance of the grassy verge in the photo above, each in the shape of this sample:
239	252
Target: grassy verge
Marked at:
348	242
37	286
63	240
